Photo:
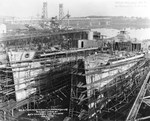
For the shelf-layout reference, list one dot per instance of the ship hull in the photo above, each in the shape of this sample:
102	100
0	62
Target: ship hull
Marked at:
110	88
42	79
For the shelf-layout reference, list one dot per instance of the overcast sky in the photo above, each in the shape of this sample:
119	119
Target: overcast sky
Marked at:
28	8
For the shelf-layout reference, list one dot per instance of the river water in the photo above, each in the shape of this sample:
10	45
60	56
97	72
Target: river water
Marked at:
140	34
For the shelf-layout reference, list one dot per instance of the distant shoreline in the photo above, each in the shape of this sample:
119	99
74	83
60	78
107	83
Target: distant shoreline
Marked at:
140	34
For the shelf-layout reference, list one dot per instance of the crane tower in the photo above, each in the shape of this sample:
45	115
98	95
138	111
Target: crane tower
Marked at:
61	13
44	11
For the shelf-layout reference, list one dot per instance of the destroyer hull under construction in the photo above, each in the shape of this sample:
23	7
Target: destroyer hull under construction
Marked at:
83	84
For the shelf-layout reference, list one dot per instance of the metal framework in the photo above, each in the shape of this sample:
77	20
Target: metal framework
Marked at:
7	89
142	98
136	73
78	89
61	11
44	11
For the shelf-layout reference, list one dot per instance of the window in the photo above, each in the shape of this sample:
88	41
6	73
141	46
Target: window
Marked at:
82	44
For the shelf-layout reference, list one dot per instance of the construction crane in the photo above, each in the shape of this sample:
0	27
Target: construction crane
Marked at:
57	24
60	21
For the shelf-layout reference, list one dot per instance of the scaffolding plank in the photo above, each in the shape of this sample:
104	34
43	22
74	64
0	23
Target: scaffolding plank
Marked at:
136	106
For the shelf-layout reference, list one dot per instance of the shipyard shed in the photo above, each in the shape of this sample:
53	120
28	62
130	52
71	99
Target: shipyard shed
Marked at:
128	46
89	43
83	43
136	46
16	28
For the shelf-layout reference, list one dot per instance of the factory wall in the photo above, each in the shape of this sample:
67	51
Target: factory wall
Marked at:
89	43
